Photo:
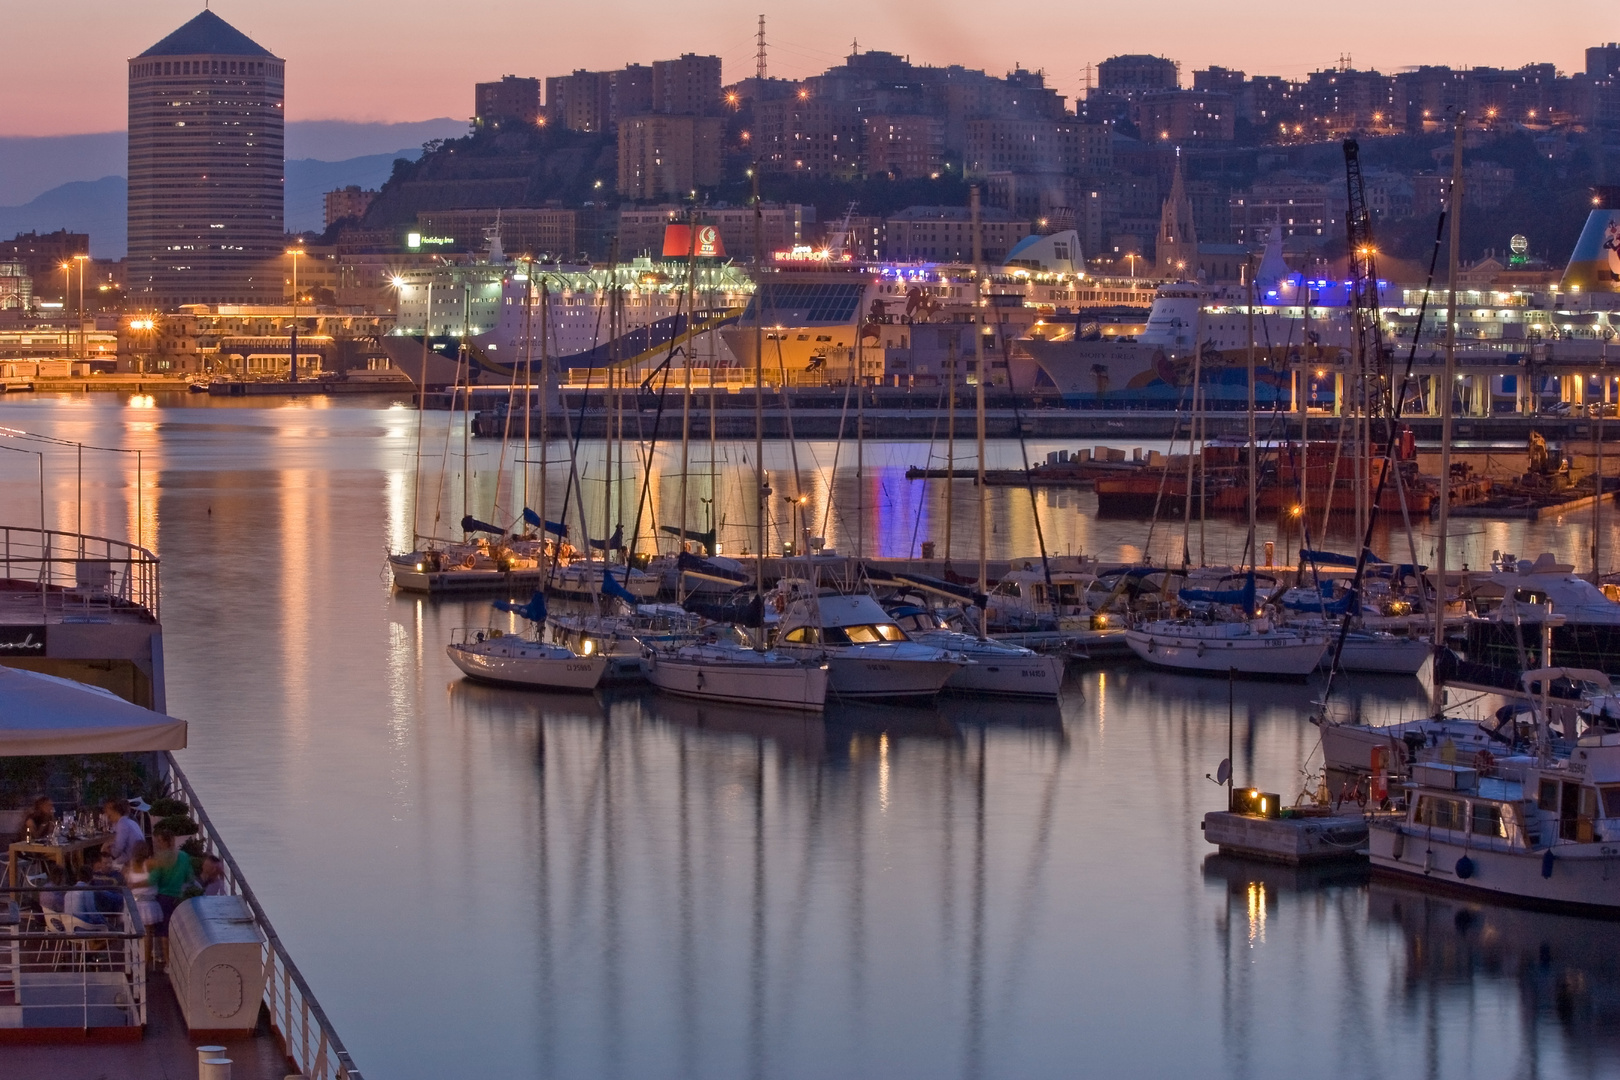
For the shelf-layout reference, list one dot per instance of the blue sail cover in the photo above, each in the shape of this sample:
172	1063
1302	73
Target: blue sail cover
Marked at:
687	563
704	538
1331	558
534	610
1321	602
472	524
611	587
555	528
1243	597
742	608
927	584
612	543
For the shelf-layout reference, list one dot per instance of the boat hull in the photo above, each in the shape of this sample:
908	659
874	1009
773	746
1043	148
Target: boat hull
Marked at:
802	687
579	673
877	678
1395	656
1013	676
1582	877
1587	645
1260	656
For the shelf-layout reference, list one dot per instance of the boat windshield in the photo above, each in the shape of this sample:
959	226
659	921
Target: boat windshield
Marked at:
866	634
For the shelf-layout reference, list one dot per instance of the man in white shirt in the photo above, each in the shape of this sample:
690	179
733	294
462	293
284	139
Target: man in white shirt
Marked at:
126	832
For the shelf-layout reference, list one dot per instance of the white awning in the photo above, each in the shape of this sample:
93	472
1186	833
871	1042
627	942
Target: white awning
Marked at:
42	714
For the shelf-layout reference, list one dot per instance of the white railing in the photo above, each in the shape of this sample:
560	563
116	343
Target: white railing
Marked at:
78	574
64	972
305	1032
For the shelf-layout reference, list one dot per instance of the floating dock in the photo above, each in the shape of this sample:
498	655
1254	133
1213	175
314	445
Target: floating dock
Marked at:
1303	838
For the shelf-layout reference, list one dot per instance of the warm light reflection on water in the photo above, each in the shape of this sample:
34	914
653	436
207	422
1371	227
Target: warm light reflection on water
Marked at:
488	882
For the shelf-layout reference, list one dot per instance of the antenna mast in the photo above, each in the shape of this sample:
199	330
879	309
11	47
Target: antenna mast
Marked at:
759	55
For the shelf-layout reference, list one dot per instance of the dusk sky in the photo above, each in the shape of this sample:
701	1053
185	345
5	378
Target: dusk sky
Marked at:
414	59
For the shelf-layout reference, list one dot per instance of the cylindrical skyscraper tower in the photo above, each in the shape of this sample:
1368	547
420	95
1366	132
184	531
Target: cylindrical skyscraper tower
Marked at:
205	169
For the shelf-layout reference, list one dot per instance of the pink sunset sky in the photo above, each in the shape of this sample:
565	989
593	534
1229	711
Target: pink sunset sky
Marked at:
398	60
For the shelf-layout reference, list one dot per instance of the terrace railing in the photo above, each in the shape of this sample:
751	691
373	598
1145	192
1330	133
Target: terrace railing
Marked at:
57	971
78	575
299	1021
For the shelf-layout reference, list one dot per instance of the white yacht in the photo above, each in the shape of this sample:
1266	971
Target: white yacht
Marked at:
866	652
492	656
1254	648
1586	619
728	669
1535	829
1395	748
998	667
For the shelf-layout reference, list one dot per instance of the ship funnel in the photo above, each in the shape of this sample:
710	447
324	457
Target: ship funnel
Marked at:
1595	264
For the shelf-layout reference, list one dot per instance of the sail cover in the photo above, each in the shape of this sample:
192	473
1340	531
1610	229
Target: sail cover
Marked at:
42	714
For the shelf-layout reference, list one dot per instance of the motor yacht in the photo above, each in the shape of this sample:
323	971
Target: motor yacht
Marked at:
998	667
866	652
1529	828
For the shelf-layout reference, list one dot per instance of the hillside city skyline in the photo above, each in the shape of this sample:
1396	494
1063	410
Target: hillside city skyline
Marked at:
338	83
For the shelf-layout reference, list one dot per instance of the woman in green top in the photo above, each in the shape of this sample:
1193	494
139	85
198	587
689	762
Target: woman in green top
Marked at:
171	872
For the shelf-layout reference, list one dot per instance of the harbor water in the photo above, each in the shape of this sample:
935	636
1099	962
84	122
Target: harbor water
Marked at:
478	881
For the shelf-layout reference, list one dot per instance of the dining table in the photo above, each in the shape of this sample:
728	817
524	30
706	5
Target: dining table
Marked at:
68	853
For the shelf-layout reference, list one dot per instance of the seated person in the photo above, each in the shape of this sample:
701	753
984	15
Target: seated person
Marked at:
126	831
41	820
81	902
50	897
107	882
212	877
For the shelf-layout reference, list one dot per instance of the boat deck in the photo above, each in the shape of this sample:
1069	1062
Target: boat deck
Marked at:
22	605
167	1052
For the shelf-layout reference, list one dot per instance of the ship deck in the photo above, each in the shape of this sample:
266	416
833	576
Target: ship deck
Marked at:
21	604
167	1052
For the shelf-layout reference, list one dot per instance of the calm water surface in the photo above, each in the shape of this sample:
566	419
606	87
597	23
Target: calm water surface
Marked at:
484	882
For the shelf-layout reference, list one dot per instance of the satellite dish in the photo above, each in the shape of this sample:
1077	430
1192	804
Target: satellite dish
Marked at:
1223	771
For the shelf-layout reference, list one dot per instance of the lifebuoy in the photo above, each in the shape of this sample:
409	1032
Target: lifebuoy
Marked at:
1483	761
779	602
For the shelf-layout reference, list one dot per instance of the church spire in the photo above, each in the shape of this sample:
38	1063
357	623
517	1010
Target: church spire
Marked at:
1177	248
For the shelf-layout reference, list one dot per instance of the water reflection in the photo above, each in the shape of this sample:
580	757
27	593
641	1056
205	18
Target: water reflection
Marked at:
1418	983
629	885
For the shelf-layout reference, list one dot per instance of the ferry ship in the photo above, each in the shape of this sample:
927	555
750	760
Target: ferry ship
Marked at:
582	331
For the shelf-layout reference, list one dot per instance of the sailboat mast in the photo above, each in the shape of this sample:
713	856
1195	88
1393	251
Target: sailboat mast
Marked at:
1597	483
545	410
466	405
978	405
1449	379
1252	483
860	439
950	439
760	496
421	411
1304	409
528	380
686	365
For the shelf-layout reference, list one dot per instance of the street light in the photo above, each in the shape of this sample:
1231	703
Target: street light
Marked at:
84	341
142	325
294	252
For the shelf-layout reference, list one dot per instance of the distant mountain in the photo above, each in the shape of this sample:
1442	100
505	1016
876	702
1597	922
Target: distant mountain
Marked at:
31	166
98	207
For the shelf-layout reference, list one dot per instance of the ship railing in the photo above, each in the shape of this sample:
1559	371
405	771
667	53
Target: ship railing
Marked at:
306	1034
59	972
79	575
